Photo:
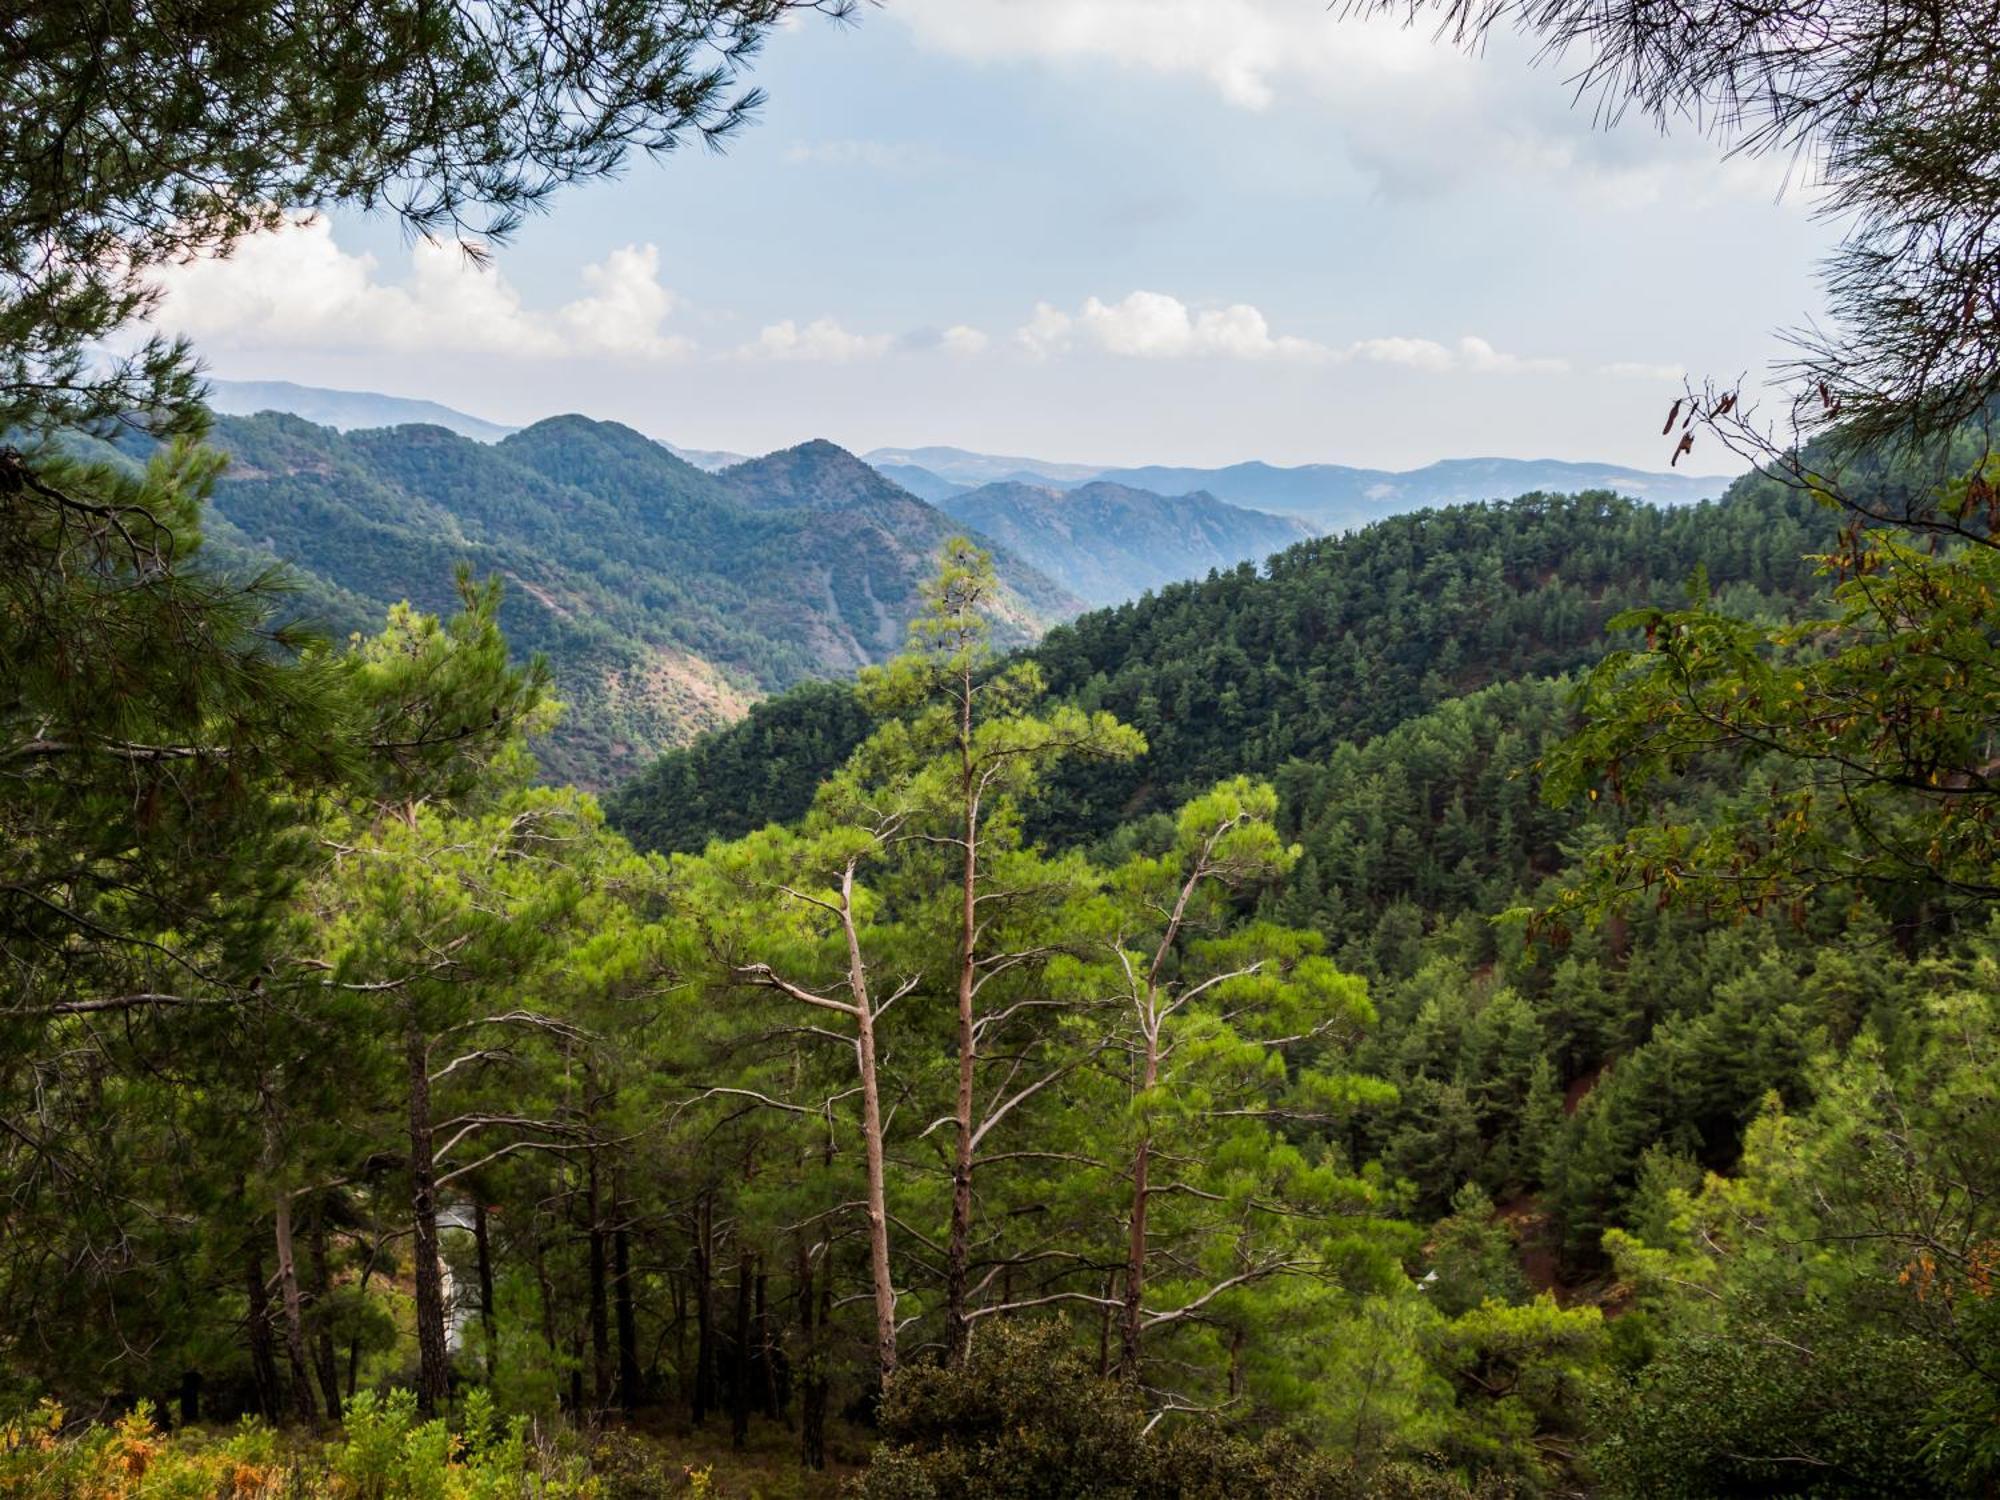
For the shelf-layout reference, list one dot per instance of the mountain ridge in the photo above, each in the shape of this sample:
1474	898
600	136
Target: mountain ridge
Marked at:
666	598
1109	542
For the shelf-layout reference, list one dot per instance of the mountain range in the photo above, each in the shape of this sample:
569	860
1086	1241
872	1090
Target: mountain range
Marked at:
665	598
672	588
1109	542
1330	497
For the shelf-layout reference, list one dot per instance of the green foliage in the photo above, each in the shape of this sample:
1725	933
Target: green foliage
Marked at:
1824	1319
1345	638
385	1453
1027	1419
1477	1260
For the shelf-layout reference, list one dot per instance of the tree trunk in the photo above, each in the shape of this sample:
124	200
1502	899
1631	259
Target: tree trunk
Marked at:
292	1306
488	1322
958	1247
739	1370
257	1329
878	1202
630	1382
190	1397
812	1377
433	1356
1135	1250
766	1354
1104	1327
704	1356
322	1293
600	1315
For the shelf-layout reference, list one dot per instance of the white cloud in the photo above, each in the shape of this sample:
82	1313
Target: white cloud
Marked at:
1416	354
1470	355
1046	332
821	340
1415	113
1154	325
296	288
626	306
962	339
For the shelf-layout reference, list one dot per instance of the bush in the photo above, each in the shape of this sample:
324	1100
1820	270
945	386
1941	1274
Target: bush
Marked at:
1028	1419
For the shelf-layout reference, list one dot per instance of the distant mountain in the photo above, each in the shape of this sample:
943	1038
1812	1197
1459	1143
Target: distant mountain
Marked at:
1109	542
965	467
924	483
344	411
1335	497
711	459
666	598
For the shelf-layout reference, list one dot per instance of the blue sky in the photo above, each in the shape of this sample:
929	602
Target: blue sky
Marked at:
1117	231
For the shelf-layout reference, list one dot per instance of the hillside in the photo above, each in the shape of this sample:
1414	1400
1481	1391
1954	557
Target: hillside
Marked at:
667	599
1339	638
1109	542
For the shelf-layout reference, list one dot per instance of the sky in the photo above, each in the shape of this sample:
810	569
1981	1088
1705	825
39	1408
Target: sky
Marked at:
1105	231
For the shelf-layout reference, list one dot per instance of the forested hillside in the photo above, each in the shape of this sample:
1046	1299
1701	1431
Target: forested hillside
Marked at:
1338	639
666	599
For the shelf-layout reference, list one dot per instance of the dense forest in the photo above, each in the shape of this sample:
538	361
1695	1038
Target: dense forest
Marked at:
1502	1003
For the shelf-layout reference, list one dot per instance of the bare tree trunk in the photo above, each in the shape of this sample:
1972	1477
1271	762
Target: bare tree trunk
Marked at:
434	1357
488	1323
1104	1326
1135	1250
322	1293
292	1307
878	1203
958	1246
257	1329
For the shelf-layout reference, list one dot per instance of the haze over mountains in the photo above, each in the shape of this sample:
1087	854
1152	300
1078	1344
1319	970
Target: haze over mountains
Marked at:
1330	497
1108	542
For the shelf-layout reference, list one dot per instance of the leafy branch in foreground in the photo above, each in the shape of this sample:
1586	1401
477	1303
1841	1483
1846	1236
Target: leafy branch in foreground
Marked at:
1875	728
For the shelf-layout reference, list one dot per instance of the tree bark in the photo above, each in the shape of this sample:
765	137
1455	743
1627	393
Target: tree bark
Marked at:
257	1329
488	1322
1130	1331
958	1246
878	1202
630	1382
322	1294
766	1353
292	1307
290	1303
433	1356
600	1315
812	1377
